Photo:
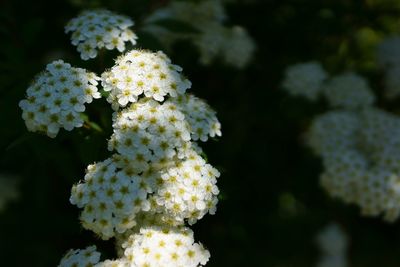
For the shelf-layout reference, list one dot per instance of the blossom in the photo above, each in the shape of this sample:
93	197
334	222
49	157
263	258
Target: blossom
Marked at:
156	179
305	79
348	91
150	132
111	195
187	191
143	73
200	116
333	131
57	98
212	38
96	29
165	246
80	257
361	158
239	47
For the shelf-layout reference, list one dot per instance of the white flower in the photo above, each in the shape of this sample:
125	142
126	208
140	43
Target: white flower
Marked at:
56	98
188	190
201	118
111	195
139	73
164	246
95	29
80	257
361	157
305	79
348	91
213	39
333	131
149	132
239	47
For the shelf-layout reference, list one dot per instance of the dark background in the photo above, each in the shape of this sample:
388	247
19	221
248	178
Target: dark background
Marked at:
271	205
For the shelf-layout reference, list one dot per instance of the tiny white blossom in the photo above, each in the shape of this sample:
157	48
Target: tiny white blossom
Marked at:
142	73
213	39
149	132
305	79
57	98
165	246
95	29
201	117
348	91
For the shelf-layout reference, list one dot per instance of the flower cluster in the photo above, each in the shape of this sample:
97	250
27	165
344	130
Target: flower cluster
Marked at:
143	73
156	180
200	116
348	91
210	36
188	191
96	29
389	59
149	132
333	243
111	196
165	246
309	80
358	143
360	152
8	190
57	98
305	79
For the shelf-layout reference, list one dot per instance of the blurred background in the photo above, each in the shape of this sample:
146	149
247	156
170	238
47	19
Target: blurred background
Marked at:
271	205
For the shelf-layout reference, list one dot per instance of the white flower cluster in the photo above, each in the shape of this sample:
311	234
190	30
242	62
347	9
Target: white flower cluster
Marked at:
96	29
80	258
333	243
149	132
160	246
348	91
310	80
111	196
305	79
213	39
8	190
389	59
361	156
188	191
57	98
142	72
164	247
200	116
359	144
155	181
